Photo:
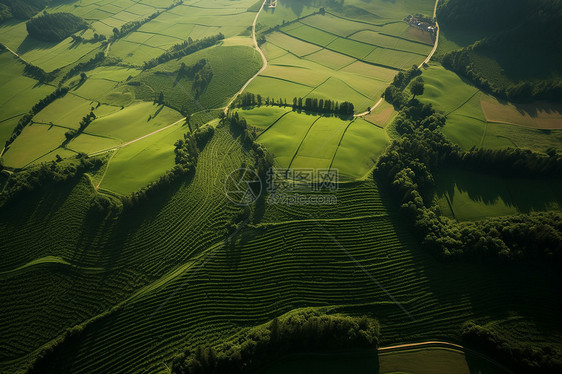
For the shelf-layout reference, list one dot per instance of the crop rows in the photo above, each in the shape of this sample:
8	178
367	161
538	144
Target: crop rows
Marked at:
108	259
352	265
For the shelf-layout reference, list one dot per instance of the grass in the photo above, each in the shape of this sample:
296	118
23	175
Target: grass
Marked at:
34	142
303	141
467	195
232	67
134	121
67	112
140	163
359	150
17	93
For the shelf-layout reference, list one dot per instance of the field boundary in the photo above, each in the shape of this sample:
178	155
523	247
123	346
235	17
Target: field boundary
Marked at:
263	58
302	141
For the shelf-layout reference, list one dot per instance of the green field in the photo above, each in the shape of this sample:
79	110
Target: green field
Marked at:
140	163
466	122
302	141
339	55
468	195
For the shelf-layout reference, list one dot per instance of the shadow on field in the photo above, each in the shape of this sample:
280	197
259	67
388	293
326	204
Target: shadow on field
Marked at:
358	362
525	194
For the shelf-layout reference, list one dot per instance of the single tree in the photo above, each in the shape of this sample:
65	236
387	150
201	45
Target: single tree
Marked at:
417	87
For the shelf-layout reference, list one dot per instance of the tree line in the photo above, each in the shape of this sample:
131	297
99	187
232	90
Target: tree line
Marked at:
309	104
26	118
54	27
394	93
183	49
304	331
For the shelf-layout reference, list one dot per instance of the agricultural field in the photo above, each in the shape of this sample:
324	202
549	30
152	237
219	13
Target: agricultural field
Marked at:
338	57
303	141
475	119
122	146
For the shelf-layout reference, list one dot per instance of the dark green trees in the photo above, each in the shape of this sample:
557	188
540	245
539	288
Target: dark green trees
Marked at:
54	27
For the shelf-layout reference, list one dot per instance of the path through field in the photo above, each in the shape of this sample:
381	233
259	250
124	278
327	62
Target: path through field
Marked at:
264	60
135	140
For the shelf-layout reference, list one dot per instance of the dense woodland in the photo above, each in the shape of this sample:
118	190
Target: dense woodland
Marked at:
45	174
54	27
522	36
21	9
306	331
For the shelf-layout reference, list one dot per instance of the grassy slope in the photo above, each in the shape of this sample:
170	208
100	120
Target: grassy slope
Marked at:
130	252
138	164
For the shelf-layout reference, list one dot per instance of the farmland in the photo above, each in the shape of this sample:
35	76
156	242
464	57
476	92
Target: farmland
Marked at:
436	248
477	119
348	60
302	141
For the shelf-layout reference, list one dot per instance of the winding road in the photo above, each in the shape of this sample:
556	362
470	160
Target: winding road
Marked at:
419	67
264	60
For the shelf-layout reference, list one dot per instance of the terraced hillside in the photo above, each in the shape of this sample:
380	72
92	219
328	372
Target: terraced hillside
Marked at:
168	280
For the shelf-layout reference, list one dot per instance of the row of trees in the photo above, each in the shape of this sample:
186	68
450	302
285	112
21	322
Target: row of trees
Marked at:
309	104
54	27
248	135
521	357
84	122
394	93
26	119
39	74
183	49
91	64
305	331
